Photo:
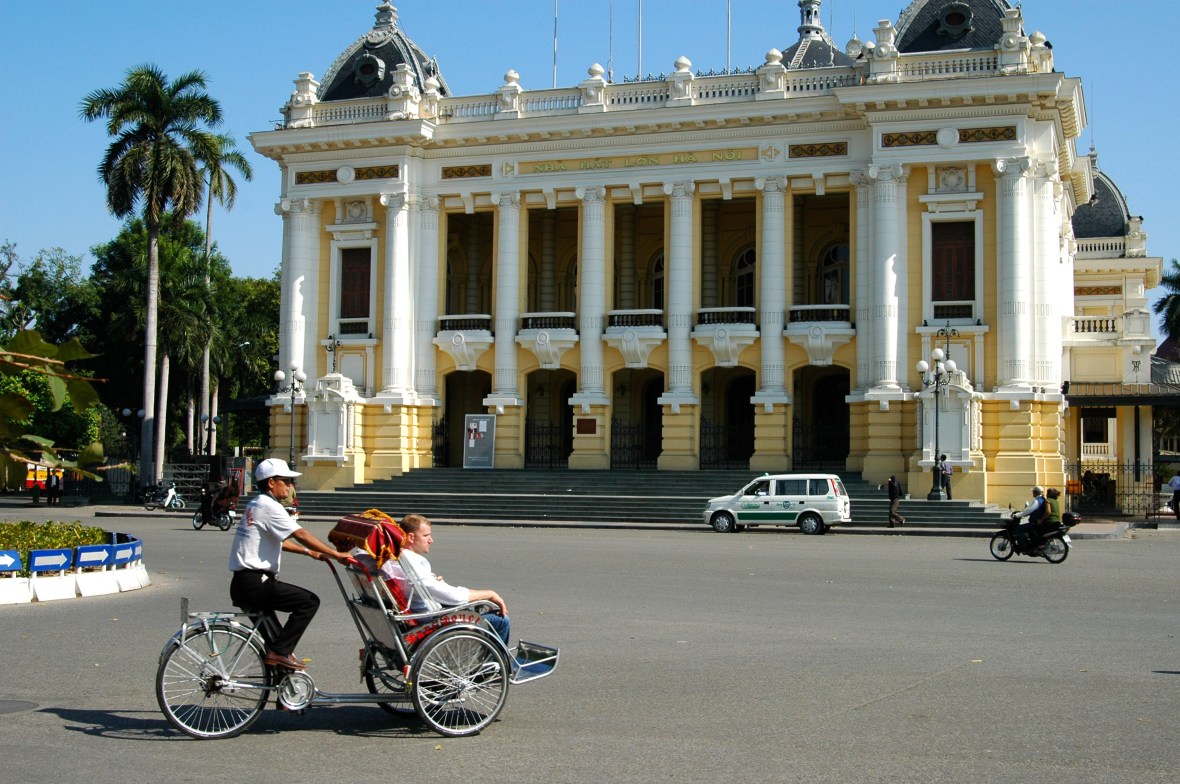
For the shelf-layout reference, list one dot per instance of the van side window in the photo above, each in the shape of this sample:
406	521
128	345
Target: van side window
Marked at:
761	487
820	487
792	487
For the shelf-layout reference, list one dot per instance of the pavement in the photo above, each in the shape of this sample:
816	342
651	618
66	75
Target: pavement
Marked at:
1089	529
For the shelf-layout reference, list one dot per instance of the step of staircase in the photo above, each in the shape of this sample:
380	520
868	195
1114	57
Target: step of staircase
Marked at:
604	497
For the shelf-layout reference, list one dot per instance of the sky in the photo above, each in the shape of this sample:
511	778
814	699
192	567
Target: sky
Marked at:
52	54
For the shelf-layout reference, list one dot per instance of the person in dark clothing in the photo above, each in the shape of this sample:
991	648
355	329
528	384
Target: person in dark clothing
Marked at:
895	517
944	469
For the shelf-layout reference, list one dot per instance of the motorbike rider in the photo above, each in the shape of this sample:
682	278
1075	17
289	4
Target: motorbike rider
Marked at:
1034	513
1051	520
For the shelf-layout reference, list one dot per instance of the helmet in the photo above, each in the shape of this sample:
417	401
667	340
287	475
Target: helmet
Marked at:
1038	490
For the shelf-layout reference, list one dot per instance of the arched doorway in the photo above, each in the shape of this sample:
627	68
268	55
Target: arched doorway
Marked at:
821	419
727	418
637	419
465	393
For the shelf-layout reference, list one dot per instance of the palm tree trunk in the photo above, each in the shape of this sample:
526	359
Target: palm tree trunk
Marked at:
205	412
163	418
149	469
213	408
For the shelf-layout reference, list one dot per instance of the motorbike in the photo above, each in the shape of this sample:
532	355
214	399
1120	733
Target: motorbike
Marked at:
1052	545
217	507
163	495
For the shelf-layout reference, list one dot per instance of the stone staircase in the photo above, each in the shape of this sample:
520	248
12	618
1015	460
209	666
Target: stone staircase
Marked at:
657	498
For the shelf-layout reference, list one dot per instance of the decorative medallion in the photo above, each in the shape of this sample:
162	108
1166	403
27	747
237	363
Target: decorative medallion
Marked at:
819	150
463	172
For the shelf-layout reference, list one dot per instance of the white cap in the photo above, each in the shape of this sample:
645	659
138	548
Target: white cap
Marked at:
273	467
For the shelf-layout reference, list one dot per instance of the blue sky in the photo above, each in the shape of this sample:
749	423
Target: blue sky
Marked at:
53	53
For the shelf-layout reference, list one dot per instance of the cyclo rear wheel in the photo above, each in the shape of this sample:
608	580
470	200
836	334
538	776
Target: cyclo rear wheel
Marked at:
384	676
459	681
212	682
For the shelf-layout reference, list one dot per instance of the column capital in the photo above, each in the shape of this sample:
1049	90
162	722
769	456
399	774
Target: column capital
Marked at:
506	199
591	194
772	184
394	201
424	202
1012	167
884	173
680	190
291	206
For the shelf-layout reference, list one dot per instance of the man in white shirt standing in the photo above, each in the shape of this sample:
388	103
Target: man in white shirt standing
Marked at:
265	530
414	551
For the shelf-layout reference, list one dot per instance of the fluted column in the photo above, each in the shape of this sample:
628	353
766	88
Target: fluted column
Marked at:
1013	279
507	310
592	291
300	293
626	232
678	307
548	260
772	277
1049	277
426	306
901	267
864	277
396	317
709	254
883	318
473	250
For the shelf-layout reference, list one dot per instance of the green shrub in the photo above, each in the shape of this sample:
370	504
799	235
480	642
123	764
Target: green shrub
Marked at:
27	535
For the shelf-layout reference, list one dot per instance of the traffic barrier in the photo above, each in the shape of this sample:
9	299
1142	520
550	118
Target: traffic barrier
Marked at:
88	570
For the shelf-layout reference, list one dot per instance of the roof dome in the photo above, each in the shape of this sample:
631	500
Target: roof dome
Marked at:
814	49
365	69
937	25
1106	214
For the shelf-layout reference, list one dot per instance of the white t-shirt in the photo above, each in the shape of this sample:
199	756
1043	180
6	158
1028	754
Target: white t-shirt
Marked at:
258	540
442	592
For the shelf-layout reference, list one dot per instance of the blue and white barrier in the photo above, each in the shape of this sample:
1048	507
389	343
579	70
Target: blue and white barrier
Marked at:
89	570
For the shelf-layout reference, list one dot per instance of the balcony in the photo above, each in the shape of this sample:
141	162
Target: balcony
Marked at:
548	336
725	332
820	330
465	337
635	333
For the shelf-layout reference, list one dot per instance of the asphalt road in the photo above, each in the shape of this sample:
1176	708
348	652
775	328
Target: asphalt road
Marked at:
686	657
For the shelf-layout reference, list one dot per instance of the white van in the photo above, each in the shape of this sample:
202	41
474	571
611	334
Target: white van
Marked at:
814	502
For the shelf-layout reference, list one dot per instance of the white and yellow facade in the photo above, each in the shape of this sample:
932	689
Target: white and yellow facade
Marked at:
701	271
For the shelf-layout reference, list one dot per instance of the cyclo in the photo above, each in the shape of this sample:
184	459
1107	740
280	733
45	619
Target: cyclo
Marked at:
446	664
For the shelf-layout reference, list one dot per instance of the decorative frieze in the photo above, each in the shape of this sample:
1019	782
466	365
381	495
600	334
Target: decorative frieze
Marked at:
1005	133
377	172
346	174
1098	291
466	172
818	150
315	177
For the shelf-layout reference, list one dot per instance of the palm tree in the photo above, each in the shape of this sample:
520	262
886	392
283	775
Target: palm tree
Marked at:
224	191
153	162
1169	305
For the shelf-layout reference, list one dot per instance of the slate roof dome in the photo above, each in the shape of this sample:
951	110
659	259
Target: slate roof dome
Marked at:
365	69
939	25
1106	214
814	49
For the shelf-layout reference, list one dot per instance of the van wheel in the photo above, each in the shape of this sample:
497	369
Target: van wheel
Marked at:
723	523
811	524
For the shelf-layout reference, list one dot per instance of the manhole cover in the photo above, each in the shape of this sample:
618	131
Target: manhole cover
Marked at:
16	706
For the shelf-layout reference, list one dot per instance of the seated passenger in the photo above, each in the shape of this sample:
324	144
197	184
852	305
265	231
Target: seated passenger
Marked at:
415	547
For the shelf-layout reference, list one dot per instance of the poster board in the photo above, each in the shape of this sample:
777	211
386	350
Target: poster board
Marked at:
479	441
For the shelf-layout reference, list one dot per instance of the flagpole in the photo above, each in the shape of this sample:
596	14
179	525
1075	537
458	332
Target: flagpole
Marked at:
555	44
641	40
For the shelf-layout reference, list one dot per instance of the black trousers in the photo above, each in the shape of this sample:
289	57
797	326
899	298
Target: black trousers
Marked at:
263	592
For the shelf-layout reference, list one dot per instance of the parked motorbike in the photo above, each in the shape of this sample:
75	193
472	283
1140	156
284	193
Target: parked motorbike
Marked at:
1053	545
163	495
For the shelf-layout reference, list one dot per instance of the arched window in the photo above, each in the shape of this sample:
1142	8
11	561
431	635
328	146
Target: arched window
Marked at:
657	282
745	270
833	273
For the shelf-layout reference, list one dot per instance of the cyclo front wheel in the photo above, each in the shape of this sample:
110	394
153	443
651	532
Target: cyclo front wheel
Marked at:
212	682
459	681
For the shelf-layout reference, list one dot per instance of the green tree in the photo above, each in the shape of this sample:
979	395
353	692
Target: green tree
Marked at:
1168	306
224	191
160	131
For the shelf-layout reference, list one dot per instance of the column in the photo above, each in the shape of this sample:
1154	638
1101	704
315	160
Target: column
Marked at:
301	284
548	260
397	316
901	267
626	232
1049	278
882	324
473	249
709	253
678	307
426	305
772	283
864	276
507	308
1013	280
592	294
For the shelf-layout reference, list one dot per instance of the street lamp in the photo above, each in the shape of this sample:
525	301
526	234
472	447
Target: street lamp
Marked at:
936	374
331	348
207	425
295	387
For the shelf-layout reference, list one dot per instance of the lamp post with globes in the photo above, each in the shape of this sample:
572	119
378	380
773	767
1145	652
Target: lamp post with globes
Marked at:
207	425
936	374
295	387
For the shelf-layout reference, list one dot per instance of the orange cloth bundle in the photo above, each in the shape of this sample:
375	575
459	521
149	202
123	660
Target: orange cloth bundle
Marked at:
372	531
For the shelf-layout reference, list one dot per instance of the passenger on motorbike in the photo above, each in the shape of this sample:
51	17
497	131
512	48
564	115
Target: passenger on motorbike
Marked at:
1034	513
1051	520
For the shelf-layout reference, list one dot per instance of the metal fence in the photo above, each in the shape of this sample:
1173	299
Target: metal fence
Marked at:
1113	489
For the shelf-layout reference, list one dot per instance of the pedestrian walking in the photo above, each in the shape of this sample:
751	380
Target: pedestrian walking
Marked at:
895	517
1174	483
945	469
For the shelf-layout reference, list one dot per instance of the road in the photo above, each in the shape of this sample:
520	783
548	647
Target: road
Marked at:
686	657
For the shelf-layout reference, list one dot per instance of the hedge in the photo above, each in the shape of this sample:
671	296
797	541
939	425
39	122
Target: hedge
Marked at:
26	535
